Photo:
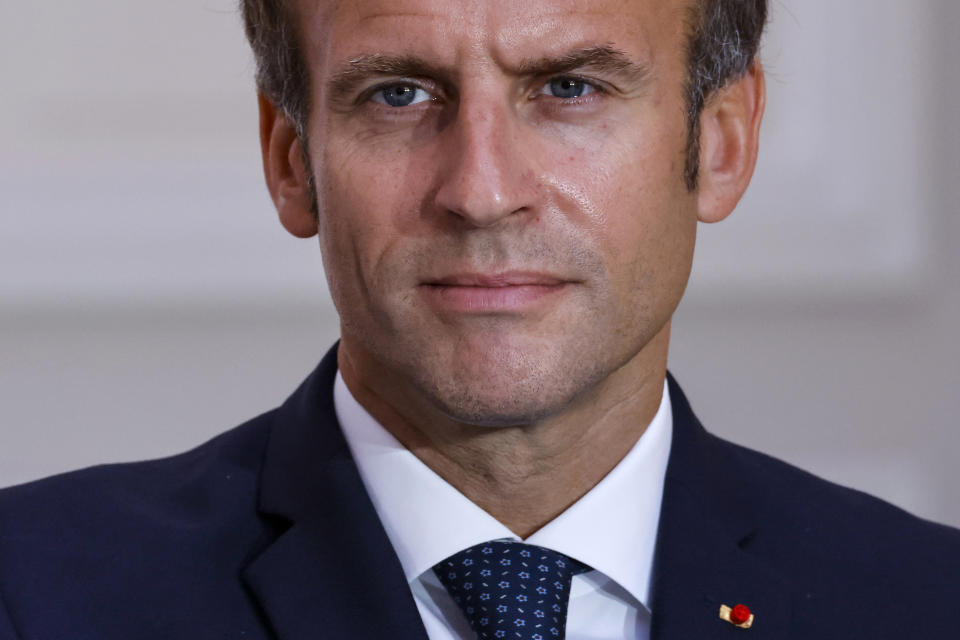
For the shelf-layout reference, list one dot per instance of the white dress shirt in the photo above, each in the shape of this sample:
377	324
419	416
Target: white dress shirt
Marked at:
612	528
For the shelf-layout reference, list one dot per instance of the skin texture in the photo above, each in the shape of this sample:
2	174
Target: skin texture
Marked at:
435	218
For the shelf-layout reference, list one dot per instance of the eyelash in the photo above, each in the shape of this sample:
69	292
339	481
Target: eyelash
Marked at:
596	88
380	89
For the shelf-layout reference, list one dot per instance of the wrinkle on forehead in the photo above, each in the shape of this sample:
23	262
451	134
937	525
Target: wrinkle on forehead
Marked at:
483	12
394	14
502	32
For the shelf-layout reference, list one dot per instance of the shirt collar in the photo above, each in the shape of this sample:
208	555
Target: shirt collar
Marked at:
612	527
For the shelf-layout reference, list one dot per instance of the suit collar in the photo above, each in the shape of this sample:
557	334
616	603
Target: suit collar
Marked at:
703	554
428	520
332	571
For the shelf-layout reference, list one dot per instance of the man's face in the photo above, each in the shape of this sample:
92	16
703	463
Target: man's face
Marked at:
502	210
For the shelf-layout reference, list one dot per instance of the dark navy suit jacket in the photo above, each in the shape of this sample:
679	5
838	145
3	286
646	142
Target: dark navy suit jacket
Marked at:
267	532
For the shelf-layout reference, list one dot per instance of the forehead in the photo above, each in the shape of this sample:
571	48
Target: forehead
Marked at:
458	32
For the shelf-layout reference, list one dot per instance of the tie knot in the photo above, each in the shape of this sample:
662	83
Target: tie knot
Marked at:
512	590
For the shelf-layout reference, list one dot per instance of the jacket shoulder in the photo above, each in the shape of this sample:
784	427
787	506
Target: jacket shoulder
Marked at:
844	538
185	482
133	537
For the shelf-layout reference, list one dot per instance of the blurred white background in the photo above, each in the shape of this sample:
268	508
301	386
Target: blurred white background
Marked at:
149	299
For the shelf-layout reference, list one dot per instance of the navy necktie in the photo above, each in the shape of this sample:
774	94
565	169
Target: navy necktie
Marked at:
511	590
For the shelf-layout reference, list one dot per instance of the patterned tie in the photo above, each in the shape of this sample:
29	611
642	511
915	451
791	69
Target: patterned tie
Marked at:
511	590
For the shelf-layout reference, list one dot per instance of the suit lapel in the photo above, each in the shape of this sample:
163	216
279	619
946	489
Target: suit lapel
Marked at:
703	555
332	571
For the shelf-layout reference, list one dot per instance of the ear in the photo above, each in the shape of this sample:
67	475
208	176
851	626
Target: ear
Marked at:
284	170
730	132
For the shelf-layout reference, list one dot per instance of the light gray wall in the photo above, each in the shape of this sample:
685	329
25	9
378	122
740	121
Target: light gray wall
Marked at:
149	299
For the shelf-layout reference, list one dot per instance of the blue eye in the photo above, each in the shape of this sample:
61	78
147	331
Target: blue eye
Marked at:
567	88
400	95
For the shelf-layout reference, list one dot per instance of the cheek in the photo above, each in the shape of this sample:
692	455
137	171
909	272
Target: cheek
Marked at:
638	213
368	203
628	185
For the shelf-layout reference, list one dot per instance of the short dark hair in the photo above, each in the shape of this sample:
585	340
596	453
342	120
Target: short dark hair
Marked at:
271	29
724	37
723	43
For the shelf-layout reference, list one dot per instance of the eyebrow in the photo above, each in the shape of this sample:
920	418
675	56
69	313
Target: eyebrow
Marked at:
602	59
359	69
599	58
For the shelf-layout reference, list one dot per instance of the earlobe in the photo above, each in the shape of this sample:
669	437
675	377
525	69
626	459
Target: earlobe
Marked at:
284	170
730	132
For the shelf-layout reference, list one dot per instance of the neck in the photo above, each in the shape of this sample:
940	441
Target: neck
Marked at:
527	475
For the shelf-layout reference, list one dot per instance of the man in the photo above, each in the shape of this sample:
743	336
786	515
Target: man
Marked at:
506	196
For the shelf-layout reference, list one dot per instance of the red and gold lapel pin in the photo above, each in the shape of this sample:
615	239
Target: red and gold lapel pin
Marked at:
738	616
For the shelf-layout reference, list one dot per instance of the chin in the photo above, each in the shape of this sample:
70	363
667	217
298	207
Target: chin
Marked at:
499	392
484	409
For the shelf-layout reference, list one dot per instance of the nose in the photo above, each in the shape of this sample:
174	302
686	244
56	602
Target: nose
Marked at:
485	175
